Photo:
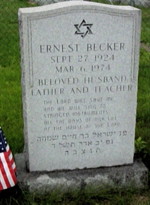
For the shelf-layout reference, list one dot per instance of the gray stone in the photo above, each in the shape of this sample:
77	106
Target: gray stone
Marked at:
143	3
45	2
79	84
128	176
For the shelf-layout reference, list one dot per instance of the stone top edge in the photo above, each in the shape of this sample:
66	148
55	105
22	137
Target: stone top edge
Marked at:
76	5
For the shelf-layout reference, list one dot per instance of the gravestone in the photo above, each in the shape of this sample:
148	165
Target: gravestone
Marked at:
143	3
45	2
79	81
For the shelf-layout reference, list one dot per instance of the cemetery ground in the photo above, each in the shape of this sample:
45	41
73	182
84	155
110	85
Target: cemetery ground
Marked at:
12	123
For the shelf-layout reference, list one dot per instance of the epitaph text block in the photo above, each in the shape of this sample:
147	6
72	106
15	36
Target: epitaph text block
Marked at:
79	79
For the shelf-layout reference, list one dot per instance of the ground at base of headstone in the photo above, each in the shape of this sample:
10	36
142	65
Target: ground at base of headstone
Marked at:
102	196
129	176
56	197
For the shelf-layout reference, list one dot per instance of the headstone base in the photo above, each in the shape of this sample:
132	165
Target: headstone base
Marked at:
135	176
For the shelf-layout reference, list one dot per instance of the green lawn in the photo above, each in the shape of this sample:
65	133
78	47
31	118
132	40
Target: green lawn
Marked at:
11	107
102	197
10	73
143	106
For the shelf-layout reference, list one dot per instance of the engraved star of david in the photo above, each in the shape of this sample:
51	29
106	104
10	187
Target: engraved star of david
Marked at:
83	28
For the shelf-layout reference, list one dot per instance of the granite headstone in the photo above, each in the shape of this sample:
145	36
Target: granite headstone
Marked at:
79	81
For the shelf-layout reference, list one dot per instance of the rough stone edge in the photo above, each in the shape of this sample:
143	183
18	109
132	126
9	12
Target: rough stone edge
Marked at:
128	176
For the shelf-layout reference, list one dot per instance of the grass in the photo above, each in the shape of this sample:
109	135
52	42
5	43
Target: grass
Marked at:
145	35
10	74
11	112
55	197
143	106
143	109
9	48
